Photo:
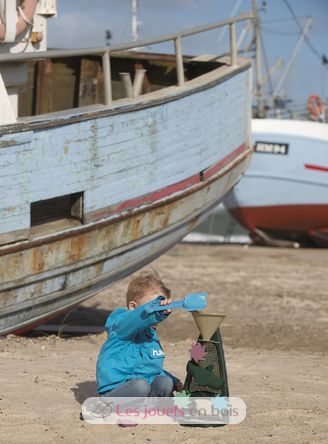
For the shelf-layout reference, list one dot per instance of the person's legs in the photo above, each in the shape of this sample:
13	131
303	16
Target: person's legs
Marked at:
161	386
137	387
133	388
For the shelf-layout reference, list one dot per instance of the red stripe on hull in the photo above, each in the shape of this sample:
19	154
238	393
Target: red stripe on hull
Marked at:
160	194
310	166
222	163
298	218
169	190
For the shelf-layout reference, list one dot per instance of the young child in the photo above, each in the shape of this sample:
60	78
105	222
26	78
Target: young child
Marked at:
130	362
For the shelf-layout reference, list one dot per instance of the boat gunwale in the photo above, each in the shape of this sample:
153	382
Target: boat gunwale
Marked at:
125	46
124	106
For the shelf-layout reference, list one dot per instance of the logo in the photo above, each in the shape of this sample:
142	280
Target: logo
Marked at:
158	352
180	409
271	148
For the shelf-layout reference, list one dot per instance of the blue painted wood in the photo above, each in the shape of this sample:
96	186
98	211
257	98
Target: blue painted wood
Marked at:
120	157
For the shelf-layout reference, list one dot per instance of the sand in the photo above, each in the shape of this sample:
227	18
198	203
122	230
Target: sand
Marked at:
275	337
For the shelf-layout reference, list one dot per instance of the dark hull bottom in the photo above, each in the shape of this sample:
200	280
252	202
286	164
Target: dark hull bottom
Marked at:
305	224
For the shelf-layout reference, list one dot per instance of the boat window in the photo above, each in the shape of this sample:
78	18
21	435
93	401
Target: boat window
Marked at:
69	207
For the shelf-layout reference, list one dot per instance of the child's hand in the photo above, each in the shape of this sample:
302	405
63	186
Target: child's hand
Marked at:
166	302
178	387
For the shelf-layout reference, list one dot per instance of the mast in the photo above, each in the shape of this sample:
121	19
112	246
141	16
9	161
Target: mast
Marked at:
134	20
258	63
292	58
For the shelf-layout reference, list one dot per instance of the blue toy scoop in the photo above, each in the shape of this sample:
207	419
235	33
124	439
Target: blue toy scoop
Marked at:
191	302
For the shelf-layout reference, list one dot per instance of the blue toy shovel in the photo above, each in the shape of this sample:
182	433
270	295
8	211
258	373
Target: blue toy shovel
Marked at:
191	302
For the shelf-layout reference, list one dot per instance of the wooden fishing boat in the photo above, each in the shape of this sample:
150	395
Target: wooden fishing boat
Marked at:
91	192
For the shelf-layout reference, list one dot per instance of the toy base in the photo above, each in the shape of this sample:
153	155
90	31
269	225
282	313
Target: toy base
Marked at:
214	362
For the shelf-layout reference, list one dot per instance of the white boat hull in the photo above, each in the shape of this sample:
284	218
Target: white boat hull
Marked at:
285	190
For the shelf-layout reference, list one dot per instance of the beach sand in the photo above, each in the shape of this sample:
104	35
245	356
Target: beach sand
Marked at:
275	338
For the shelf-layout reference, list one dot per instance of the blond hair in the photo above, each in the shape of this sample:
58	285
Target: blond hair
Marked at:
144	282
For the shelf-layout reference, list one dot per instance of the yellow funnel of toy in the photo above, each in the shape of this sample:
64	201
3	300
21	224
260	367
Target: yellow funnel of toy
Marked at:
207	323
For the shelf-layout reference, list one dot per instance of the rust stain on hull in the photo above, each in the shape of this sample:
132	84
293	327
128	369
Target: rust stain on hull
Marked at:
76	248
37	260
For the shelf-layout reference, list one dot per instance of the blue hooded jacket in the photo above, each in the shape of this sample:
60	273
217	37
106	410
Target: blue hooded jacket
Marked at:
132	349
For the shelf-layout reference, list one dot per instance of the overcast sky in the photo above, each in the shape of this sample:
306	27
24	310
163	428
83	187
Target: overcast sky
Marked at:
81	25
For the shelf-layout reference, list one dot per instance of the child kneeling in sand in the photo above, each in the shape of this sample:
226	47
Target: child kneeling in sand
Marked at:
130	363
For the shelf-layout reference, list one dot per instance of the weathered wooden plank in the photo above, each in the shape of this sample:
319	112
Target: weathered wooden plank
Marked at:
13	236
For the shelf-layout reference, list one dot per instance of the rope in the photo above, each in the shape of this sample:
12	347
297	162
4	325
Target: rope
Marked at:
26	20
310	45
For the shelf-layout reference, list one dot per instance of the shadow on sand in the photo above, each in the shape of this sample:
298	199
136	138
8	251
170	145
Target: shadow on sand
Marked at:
77	321
84	390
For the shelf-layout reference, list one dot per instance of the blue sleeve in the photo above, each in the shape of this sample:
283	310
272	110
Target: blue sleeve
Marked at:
130	322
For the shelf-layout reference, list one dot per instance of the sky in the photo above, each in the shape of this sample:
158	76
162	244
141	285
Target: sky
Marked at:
80	25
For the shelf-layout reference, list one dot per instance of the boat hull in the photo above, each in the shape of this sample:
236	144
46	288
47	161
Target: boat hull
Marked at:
148	171
151	234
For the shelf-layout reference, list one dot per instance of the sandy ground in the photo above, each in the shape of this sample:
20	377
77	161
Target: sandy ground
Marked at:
275	336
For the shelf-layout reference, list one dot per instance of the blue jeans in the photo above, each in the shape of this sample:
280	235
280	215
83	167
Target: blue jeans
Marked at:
139	387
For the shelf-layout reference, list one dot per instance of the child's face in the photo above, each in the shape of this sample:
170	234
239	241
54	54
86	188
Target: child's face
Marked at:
147	297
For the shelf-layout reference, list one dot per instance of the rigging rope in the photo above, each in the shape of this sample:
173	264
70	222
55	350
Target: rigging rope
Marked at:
307	40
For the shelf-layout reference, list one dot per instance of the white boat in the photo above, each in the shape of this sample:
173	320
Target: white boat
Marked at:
284	193
93	193
283	197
